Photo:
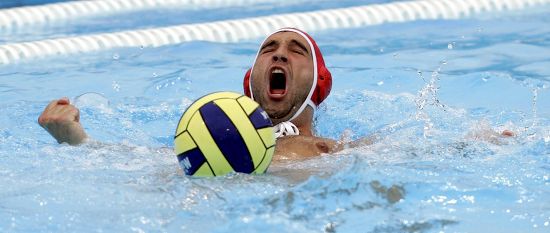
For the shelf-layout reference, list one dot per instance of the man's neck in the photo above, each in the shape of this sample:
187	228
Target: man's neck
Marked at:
306	131
304	122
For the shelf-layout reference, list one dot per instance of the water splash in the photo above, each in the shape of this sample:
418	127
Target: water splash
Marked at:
530	130
534	105
536	86
428	96
93	100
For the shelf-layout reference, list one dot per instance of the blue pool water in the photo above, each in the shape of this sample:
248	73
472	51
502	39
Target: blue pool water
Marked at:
19	3
431	91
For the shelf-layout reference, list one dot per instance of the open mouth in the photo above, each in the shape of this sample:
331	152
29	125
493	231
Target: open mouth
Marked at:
277	83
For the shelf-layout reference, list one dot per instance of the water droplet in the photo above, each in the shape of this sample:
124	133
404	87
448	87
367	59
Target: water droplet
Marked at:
115	86
141	47
508	211
380	83
381	50
116	56
450	46
546	224
394	54
155	75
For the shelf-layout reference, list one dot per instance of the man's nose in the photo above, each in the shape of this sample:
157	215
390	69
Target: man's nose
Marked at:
280	55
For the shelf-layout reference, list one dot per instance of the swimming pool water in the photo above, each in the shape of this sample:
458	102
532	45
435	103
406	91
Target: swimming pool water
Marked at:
426	89
19	3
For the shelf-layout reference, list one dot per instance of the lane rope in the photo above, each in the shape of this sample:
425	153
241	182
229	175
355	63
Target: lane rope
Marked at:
29	15
250	28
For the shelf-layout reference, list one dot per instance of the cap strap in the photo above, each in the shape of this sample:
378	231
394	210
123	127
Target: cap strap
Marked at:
285	128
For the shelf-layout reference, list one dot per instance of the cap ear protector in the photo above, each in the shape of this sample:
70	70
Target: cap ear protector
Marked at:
322	82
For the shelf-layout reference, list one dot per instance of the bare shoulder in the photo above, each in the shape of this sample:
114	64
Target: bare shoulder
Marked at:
300	146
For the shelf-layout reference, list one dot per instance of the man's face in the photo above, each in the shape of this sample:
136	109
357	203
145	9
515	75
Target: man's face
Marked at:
282	75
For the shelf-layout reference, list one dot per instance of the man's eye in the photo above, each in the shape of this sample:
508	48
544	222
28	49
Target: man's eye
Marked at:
267	50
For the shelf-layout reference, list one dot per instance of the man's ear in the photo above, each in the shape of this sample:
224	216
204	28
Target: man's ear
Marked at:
324	85
246	83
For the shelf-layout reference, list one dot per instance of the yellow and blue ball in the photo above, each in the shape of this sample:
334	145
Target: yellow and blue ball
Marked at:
224	132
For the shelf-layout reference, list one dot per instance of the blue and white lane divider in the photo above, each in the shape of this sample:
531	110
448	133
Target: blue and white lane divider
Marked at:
30	15
250	28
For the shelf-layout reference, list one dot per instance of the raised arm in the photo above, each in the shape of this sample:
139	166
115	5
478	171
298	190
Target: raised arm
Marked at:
62	121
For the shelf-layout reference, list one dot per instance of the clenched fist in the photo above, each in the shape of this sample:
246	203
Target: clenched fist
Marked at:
62	121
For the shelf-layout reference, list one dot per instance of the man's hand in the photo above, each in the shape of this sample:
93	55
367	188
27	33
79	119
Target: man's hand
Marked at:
62	121
484	132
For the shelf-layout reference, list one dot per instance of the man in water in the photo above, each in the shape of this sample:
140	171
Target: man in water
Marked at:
288	79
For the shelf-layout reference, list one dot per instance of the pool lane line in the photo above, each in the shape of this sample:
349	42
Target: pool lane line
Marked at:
29	15
250	28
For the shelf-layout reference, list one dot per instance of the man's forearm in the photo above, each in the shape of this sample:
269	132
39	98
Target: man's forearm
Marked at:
72	134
